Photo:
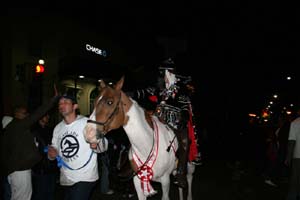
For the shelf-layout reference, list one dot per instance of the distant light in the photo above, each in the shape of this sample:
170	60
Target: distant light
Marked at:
41	61
265	114
81	76
271	102
252	115
291	105
39	69
99	80
288	112
275	96
288	78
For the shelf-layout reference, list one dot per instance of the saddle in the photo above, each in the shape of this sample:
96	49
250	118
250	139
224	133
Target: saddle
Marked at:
169	115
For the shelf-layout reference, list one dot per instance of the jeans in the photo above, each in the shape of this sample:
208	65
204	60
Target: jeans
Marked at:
43	186
104	180
79	191
5	188
294	184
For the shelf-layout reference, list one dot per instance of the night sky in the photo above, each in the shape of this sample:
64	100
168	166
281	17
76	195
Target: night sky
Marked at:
238	52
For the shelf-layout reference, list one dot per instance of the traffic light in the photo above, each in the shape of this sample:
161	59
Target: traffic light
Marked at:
36	87
39	69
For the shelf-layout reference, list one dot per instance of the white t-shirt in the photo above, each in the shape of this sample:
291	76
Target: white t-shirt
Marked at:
294	134
69	140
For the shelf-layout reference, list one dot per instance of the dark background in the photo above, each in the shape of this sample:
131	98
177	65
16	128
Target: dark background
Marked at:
237	52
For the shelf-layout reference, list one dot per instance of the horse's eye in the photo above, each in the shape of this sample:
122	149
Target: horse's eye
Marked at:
110	103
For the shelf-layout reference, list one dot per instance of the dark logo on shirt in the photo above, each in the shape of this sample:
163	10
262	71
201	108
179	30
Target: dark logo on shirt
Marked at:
69	145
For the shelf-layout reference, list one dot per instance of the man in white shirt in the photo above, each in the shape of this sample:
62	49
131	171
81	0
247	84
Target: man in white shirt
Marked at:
293	158
78	159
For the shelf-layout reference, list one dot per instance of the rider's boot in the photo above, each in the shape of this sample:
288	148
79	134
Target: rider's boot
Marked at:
125	168
182	153
126	171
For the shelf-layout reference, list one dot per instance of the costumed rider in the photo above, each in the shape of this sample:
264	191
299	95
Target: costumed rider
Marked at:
173	109
169	101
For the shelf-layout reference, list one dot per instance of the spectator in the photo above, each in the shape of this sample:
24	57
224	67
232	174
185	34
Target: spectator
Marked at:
44	173
5	187
18	152
271	157
293	158
79	171
282	133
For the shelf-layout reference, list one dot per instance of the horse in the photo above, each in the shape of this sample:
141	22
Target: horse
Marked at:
153	143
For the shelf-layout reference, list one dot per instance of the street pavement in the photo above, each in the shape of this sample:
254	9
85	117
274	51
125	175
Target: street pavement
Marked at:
213	180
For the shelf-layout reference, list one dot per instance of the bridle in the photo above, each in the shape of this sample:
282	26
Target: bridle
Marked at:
108	120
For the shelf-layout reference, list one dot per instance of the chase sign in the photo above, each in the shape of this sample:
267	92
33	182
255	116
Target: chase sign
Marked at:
95	50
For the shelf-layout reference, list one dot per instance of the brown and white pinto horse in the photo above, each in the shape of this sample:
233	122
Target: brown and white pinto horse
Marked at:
153	143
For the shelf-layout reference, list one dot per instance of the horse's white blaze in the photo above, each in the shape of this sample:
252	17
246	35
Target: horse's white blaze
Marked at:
98	100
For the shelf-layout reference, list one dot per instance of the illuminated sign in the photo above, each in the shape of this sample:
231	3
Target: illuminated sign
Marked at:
95	50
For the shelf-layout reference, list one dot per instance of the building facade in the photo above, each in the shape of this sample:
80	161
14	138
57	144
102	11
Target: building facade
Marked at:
68	49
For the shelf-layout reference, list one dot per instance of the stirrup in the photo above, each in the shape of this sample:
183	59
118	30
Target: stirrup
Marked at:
180	180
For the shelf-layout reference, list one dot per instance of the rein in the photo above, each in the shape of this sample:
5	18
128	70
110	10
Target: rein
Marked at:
110	116
61	162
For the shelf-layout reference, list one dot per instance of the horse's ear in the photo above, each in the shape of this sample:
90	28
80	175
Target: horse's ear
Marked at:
102	84
119	84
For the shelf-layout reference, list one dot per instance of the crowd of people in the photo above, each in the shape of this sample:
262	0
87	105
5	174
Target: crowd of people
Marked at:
35	156
271	150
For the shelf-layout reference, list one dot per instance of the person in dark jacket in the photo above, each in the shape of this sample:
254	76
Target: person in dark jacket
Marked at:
18	152
5	187
45	172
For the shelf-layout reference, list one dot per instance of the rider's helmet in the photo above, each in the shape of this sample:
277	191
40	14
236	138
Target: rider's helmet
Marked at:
166	67
167	79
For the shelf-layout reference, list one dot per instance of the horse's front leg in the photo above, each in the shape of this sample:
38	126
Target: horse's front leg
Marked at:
138	188
165	186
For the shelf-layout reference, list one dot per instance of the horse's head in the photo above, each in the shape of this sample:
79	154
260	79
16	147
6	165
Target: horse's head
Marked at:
108	113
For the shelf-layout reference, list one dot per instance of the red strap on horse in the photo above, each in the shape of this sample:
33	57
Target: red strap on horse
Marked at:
193	146
145	173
